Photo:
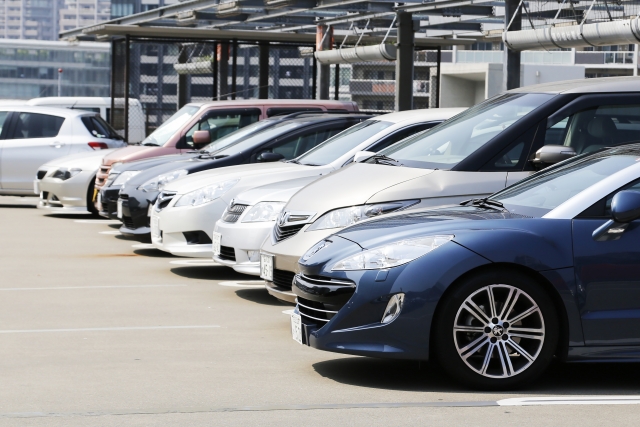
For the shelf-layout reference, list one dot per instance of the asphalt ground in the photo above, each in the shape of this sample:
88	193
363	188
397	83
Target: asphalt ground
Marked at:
97	332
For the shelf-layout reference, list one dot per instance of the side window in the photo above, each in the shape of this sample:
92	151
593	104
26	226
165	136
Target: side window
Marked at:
515	156
595	128
399	136
3	118
280	111
295	146
602	208
221	123
32	125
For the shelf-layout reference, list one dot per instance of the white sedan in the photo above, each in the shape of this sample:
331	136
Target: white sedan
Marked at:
188	208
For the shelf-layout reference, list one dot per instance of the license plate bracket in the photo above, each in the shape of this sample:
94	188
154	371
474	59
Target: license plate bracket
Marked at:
119	212
216	243
296	328
266	267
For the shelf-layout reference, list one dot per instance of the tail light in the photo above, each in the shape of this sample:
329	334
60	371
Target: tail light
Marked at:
98	145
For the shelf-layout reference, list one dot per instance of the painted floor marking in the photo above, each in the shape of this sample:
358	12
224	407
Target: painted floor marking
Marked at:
195	262
571	400
143	246
121	328
111	232
56	288
288	312
256	284
96	221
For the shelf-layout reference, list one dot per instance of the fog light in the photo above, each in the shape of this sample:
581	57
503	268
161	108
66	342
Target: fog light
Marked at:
393	308
254	256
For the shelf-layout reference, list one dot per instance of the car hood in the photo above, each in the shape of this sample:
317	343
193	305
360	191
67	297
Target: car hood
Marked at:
352	185
85	160
255	171
280	191
137	152
144	164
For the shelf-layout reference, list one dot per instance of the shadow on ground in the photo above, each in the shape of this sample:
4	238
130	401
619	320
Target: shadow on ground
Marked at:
13	206
143	238
209	272
559	379
261	296
153	253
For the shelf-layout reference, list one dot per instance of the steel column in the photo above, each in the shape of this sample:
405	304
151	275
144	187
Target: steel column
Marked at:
127	41
404	62
324	41
438	62
511	62
263	66
336	94
183	79
214	67
224	71
234	70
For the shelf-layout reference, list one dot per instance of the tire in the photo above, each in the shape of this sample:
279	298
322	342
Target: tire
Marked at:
91	207
506	350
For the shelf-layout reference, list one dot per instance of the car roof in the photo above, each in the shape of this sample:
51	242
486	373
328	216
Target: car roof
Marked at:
603	84
315	117
54	111
274	102
426	114
76	100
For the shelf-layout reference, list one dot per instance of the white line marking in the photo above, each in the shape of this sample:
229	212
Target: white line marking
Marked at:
571	400
143	246
96	221
123	328
87	287
288	312
111	232
195	262
256	284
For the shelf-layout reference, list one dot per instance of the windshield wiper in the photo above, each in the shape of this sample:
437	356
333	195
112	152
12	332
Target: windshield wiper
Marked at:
149	144
212	156
293	161
484	203
381	159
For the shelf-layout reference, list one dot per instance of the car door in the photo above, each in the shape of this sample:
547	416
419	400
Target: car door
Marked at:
33	141
607	277
299	142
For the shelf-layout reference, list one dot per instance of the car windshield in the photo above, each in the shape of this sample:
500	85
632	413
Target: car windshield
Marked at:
545	191
258	138
342	143
449	143
161	135
237	136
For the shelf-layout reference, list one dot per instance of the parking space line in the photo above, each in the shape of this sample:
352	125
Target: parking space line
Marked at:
112	329
571	400
110	232
56	288
143	246
195	262
257	284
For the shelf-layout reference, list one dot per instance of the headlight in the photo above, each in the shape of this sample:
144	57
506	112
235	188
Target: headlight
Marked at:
156	184
64	173
120	178
264	211
346	216
393	254
206	194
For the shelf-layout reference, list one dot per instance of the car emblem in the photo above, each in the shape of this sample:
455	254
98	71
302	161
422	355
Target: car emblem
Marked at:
282	219
498	331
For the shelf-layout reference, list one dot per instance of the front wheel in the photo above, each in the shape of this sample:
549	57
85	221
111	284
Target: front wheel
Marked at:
90	204
496	330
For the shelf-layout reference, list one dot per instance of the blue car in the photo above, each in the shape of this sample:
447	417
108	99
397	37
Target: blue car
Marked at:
495	288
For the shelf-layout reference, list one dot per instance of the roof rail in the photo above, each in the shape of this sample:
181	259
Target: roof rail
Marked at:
320	112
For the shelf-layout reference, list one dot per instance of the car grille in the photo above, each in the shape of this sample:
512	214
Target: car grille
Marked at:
315	310
233	213
128	222
41	174
284	232
164	199
123	196
227	253
318	311
283	279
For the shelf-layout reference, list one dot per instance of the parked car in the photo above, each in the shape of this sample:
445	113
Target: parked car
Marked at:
32	136
184	226
239	233
472	155
66	185
217	118
548	266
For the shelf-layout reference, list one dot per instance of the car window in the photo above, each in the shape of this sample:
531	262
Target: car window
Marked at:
161	135
3	118
98	127
238	135
400	135
449	143
595	128
514	157
295	146
222	123
259	138
33	125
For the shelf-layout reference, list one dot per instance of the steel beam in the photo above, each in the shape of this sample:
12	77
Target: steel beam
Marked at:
404	62
511	62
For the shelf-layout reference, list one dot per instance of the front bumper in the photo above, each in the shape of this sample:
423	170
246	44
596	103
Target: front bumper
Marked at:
68	196
108	206
135	212
286	254
244	239
186	231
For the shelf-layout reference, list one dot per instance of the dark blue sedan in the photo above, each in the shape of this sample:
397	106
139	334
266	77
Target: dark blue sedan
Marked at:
493	289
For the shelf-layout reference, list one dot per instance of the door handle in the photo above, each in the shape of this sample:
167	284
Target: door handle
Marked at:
56	144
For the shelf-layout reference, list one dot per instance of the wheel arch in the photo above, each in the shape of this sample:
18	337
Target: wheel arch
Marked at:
562	346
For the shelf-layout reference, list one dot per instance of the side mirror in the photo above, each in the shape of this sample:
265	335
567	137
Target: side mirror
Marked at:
201	137
269	157
551	154
625	208
362	156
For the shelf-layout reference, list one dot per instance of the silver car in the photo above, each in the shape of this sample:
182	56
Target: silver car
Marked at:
482	150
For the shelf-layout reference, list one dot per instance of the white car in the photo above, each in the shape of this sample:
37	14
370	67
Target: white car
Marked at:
33	136
67	184
188	208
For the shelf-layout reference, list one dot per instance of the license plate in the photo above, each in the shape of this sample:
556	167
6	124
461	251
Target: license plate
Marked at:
119	208
215	242
36	186
266	267
296	327
155	226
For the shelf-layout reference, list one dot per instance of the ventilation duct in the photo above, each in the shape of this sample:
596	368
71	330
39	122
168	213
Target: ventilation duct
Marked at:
378	52
584	35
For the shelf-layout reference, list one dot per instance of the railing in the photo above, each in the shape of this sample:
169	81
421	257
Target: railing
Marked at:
529	57
384	87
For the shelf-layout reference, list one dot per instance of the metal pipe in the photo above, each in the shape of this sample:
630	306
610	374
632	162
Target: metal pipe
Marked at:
336	93
127	40
263	70
438	62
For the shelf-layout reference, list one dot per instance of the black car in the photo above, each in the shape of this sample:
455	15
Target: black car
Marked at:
285	140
